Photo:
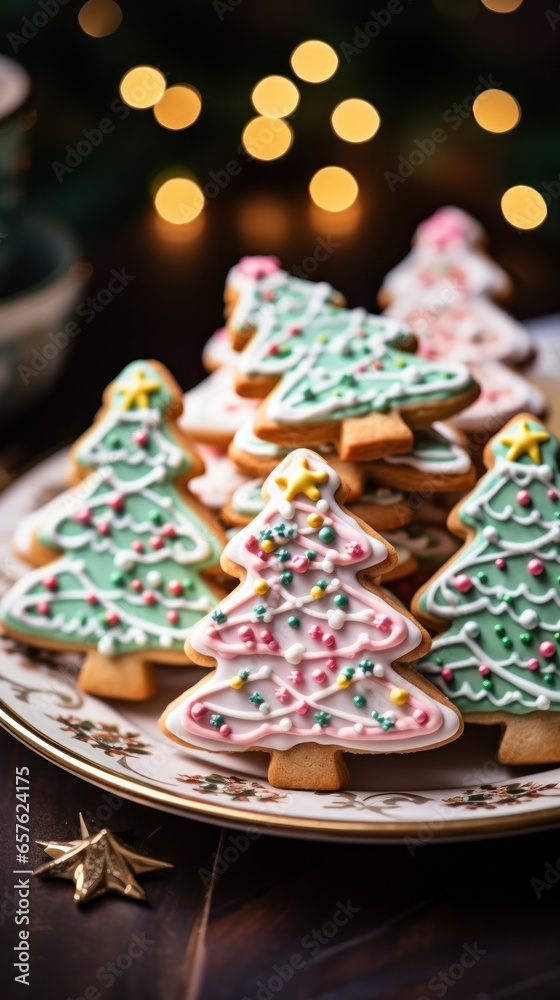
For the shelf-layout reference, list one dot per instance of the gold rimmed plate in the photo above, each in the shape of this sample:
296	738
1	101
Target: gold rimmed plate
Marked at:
457	791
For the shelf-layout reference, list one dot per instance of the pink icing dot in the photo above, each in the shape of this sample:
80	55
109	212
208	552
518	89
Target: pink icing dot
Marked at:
172	617
198	710
382	622
552	494
246	634
252	543
136	584
137	546
262	555
523	498
354	549
43	607
301	707
258	266
149	597
225	730
116	502
327	639
175	587
315	631
104	528
500	563
463	583
92	599
50	582
447	674
419	716
535	567
141	437
282	694
300	564
273	645
156	542
533	664
266	635
331	664
319	675
484	669
83	515
168	530
547	648
295	677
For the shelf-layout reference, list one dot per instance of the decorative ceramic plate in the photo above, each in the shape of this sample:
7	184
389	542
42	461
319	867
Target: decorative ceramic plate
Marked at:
457	791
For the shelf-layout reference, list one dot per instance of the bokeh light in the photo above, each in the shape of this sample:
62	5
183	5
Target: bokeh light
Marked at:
496	111
142	87
99	18
275	96
267	138
502	6
314	61
179	200
523	207
333	188
355	120
179	107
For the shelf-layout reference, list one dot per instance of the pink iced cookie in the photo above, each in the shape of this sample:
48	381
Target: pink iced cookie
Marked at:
220	480
504	394
218	352
213	411
306	648
468	330
445	264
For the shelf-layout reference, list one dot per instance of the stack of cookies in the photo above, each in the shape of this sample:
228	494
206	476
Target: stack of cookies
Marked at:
447	291
294	365
317	466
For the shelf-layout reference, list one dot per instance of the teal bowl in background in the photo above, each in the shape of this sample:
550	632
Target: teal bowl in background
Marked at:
41	287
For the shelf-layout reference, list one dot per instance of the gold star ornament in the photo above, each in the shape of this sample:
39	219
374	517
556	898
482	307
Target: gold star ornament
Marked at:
524	441
97	864
302	480
137	391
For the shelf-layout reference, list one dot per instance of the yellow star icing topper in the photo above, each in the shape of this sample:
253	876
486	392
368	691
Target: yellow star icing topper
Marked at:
137	391
524	442
302	480
97	864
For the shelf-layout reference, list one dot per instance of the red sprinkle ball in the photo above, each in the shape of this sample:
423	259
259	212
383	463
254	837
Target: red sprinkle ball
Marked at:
141	437
523	498
535	567
463	583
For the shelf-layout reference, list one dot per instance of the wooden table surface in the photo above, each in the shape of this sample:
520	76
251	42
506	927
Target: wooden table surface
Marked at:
475	920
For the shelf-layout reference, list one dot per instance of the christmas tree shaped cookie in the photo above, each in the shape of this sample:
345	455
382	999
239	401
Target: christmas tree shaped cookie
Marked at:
338	375
447	263
309	654
130	549
498	597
